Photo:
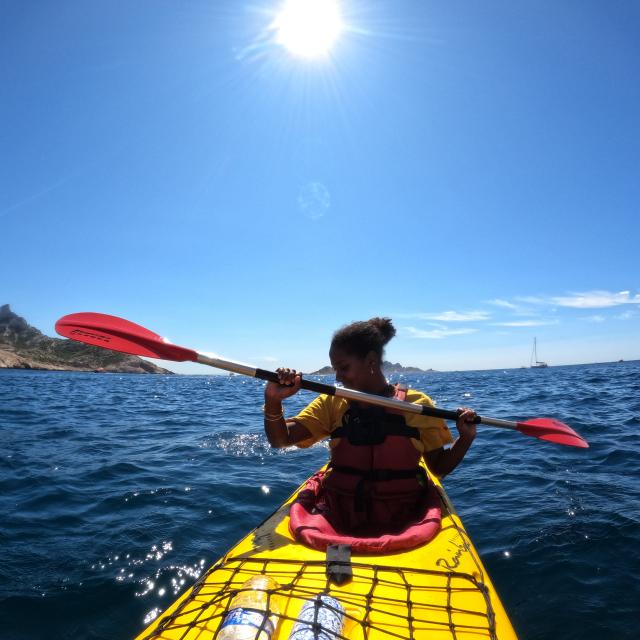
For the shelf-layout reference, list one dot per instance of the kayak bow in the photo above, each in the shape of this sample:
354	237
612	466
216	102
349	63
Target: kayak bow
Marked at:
438	591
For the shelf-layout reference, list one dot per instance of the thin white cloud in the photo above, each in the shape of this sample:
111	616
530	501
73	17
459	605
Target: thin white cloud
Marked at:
533	300
268	359
518	309
503	303
437	334
585	300
451	316
528	306
596	299
525	323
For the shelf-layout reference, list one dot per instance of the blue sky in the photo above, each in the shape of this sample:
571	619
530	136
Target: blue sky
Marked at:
469	169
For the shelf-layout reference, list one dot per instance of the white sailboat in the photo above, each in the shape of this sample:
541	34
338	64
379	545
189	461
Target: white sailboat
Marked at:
535	363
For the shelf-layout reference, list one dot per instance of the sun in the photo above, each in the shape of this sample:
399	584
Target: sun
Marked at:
308	28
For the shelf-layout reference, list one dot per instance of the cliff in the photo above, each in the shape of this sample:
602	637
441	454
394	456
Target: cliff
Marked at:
24	347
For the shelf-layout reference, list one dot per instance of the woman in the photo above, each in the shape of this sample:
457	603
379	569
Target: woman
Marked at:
374	483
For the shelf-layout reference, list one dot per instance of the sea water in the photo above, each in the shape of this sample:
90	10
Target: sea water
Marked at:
118	491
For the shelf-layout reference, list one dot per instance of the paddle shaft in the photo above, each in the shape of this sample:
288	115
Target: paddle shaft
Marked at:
349	394
110	332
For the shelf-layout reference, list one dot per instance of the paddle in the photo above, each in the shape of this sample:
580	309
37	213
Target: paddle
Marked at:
117	334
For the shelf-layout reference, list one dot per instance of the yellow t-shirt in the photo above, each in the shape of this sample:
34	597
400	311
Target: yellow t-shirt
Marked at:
324	414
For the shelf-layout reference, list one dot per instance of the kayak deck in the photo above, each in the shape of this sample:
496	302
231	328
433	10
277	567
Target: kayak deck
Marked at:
437	591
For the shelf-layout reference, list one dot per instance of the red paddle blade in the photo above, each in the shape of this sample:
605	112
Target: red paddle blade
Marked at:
552	431
118	334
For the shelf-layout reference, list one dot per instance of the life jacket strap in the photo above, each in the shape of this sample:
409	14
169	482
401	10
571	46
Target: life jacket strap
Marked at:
375	434
363	487
368	427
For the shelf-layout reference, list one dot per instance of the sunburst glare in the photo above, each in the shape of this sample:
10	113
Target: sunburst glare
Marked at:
308	28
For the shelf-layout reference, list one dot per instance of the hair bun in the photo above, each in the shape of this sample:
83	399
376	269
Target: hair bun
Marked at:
385	328
363	336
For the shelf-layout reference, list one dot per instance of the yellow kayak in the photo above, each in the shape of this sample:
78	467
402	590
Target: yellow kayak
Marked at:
437	591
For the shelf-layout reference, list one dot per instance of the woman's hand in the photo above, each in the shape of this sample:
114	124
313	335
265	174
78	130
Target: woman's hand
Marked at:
443	461
467	428
289	383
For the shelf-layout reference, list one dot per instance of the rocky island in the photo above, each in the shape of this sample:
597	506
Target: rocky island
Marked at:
24	347
387	368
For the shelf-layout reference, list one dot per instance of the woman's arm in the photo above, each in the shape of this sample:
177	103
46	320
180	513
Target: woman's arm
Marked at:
443	461
280	431
285	433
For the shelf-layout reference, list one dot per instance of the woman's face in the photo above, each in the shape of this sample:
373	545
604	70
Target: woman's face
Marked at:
352	371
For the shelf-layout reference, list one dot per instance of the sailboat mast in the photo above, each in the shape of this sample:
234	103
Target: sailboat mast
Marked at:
535	363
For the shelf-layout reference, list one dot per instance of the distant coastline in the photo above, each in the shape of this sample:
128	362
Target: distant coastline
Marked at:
25	347
328	370
387	368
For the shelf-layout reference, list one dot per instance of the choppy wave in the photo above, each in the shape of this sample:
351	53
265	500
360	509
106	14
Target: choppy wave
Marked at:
117	491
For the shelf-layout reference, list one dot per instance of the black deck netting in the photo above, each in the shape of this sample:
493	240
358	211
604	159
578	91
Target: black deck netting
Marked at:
380	602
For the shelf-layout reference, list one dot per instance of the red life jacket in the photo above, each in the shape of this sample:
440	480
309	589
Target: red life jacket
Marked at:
375	495
375	483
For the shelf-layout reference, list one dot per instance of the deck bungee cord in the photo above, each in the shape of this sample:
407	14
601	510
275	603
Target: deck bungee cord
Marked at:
208	602
439	590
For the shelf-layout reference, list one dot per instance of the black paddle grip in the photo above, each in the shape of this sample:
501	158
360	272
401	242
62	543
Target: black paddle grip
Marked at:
444	413
309	385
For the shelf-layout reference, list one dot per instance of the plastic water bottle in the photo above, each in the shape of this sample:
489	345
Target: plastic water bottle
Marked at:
320	618
253	614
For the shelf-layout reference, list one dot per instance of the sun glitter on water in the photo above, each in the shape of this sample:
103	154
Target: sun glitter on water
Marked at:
308	28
